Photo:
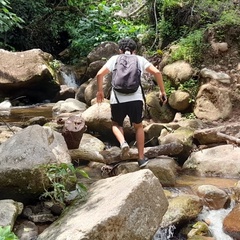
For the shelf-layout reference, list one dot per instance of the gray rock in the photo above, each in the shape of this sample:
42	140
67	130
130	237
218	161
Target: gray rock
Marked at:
22	154
9	211
130	206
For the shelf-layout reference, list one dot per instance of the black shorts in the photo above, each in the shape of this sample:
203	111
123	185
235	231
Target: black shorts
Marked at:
134	110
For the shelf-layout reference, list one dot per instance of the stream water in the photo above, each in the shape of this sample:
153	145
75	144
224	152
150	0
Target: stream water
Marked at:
184	183
216	217
189	184
69	79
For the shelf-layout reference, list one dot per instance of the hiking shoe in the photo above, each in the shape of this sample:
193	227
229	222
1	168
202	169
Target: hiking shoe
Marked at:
142	162
124	150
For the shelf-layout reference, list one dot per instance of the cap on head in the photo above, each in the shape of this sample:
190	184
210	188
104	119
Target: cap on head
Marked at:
127	44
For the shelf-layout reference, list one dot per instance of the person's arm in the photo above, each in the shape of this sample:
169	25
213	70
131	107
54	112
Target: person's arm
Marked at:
158	76
101	73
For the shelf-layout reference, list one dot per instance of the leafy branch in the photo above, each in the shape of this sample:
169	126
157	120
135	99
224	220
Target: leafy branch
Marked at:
63	178
7	18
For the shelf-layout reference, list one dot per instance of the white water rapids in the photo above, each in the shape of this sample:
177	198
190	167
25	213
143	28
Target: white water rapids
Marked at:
214	217
69	79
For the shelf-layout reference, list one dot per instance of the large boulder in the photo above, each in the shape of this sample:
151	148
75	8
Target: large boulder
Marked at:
98	56
69	105
90	142
213	197
212	103
183	135
221	161
180	100
208	75
27	74
22	154
157	112
165	169
130	206
182	209
178	72
103	51
98	119
91	89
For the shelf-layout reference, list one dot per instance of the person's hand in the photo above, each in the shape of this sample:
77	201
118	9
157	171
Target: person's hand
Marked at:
162	98
100	96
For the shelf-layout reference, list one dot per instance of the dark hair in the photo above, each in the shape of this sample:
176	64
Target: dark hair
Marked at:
127	44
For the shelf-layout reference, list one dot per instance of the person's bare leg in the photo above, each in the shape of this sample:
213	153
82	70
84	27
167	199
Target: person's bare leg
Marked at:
118	132
139	133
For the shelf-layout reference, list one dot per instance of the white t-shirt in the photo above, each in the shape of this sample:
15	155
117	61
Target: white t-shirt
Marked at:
123	97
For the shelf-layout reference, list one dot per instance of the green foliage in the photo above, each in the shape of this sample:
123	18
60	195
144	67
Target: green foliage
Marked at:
37	30
171	3
229	18
190	86
166	28
81	4
55	64
8	19
7	234
168	87
189	48
179	18
62	178
100	25
81	25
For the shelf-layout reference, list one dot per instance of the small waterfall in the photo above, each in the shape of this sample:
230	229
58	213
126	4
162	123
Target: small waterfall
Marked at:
164	233
215	219
69	79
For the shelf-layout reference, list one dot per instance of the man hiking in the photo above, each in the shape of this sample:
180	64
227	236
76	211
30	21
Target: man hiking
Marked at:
128	104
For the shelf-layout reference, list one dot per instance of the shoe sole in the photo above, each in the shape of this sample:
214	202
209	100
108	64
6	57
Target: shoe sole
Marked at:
144	164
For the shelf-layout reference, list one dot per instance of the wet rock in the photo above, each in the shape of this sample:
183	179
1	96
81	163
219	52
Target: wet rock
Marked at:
182	209
231	223
213	197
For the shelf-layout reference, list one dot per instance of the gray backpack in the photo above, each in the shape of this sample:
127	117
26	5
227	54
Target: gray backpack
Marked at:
126	76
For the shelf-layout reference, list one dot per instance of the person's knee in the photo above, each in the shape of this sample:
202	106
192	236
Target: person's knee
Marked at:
138	125
115	124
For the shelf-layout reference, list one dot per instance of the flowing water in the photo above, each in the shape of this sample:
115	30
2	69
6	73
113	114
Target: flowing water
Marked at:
69	79
18	115
189	184
215	219
165	234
